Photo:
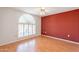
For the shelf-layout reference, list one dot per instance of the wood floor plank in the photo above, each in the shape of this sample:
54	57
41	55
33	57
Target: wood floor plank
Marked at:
40	44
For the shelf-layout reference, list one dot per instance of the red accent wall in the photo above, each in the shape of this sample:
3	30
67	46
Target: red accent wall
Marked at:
61	25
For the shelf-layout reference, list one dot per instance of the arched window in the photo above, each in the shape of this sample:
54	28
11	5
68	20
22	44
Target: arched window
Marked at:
26	26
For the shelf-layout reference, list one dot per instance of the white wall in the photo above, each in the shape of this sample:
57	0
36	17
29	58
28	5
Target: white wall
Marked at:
0	25
8	19
9	24
38	25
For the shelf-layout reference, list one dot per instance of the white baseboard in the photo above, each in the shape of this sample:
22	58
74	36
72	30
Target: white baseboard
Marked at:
9	42
16	41
62	39
43	35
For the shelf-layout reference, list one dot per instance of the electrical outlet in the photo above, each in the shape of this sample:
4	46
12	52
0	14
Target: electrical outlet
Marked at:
68	35
45	32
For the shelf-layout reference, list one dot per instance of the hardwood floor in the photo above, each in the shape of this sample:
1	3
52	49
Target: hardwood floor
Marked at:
40	44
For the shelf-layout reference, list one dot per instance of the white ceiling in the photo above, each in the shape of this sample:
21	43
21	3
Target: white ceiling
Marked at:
49	10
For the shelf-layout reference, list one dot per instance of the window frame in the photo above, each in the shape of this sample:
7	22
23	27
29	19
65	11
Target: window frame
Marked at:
25	23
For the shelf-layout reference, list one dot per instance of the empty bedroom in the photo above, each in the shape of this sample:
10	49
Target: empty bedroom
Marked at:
39	29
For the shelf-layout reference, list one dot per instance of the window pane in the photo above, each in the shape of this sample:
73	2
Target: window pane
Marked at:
22	20
26	30
30	29
20	30
34	29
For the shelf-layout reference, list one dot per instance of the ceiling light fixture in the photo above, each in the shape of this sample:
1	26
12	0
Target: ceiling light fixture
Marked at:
43	11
